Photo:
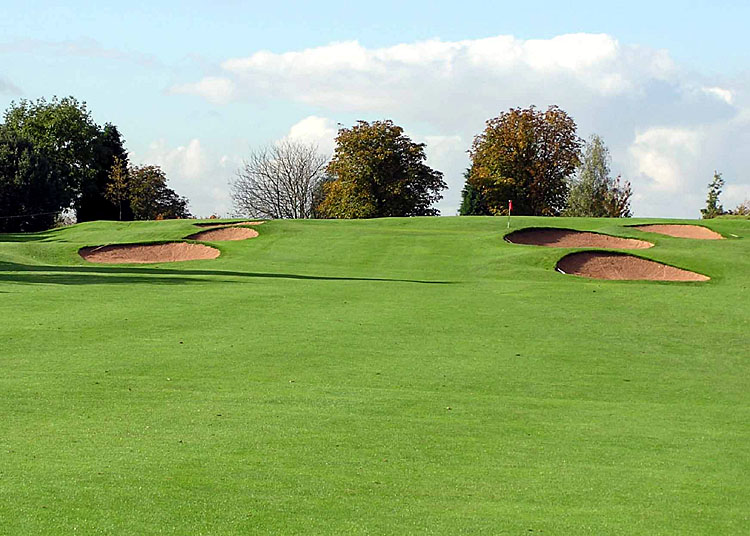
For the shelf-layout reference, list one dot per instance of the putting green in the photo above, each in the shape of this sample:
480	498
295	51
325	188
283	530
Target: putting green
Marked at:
395	376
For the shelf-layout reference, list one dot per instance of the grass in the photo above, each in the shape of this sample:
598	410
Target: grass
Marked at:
396	376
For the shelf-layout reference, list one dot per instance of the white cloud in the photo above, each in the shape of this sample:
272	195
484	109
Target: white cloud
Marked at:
215	89
319	131
719	92
667	127
734	195
196	173
448	155
664	156
349	76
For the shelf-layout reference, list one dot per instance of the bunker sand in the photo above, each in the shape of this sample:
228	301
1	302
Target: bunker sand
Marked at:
568	238
148	253
224	233
618	266
695	232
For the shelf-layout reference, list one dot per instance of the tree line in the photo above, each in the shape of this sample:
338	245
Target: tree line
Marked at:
534	158
55	158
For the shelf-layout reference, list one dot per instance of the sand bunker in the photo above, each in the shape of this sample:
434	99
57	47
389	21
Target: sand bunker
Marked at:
602	265
682	231
568	238
228	224
224	233
147	253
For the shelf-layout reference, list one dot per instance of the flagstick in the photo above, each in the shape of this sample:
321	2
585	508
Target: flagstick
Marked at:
510	207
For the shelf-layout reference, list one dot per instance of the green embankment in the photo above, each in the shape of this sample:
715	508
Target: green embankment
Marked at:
396	376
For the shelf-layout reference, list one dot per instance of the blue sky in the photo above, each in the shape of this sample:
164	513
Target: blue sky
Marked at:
194	85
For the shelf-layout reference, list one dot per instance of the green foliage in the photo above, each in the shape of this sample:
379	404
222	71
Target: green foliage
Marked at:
713	208
32	190
54	157
67	162
593	193
526	155
378	171
116	189
472	201
150	198
743	209
93	204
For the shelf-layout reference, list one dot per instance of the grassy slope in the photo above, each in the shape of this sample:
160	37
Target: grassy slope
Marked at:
399	376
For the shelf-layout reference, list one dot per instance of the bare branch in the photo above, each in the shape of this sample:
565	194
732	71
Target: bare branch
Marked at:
279	181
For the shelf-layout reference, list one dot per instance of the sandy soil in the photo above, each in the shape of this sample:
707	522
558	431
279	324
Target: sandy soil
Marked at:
224	233
602	265
148	253
567	238
211	224
682	231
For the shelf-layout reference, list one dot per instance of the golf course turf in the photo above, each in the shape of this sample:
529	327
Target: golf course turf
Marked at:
394	376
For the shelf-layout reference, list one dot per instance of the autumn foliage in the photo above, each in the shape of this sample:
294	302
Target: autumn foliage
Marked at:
377	171
525	155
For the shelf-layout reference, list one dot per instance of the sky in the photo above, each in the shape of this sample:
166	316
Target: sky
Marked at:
195	86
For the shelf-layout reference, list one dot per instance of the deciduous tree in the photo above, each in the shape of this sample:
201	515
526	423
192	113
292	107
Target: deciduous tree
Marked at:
116	190
32	192
527	156
75	152
93	203
378	171
280	181
150	198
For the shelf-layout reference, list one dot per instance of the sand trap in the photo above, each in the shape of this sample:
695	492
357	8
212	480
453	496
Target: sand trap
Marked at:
602	265
224	233
682	231
568	238
147	253
228	224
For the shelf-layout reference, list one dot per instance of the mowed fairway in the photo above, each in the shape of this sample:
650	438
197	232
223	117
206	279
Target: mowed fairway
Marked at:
395	376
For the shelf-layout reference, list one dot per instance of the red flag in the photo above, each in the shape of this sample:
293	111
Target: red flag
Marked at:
510	206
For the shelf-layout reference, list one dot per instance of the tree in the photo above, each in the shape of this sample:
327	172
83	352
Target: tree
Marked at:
116	189
472	201
53	138
526	155
93	202
593	193
32	192
78	155
617	199
743	209
279	181
378	171
713	208
150	198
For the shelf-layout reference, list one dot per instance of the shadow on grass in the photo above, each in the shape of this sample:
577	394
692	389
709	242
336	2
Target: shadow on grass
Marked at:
83	275
28	237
